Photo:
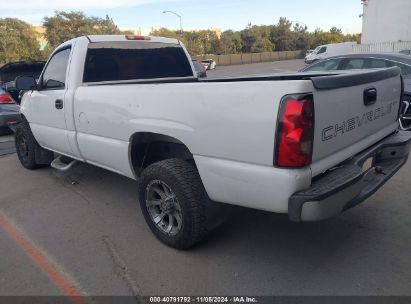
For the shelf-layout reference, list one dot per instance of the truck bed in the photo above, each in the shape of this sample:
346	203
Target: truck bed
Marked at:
321	80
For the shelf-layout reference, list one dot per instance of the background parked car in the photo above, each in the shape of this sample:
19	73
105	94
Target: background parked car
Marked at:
200	69
9	112
10	71
406	52
209	64
372	61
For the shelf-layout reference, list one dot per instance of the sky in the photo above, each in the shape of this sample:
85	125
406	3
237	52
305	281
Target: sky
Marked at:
223	14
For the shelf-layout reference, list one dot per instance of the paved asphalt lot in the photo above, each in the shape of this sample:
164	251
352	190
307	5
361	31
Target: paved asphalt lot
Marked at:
84	230
258	68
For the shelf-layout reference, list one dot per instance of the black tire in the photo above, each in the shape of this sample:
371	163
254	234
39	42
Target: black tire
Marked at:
26	146
184	181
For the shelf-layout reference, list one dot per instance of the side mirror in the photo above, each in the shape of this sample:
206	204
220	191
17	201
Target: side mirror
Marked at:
25	83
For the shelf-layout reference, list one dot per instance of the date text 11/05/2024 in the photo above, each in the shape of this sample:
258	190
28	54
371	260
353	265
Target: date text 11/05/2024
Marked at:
238	299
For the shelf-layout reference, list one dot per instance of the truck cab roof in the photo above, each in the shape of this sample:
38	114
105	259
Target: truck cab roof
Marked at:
120	38
108	38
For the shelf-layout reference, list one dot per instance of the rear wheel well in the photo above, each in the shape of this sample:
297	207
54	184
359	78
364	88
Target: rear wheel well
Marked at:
147	148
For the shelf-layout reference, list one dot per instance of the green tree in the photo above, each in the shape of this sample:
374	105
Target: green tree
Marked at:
353	37
302	39
230	43
192	40
282	36
64	26
197	42
163	32
18	41
335	31
256	39
211	42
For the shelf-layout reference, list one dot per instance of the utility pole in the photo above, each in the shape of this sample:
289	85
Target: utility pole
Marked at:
179	16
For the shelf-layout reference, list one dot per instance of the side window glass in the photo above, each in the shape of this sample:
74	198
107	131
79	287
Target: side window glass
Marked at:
54	77
354	64
328	65
405	69
378	64
322	50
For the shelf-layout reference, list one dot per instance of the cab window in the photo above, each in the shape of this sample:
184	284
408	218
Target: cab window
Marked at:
118	61
54	76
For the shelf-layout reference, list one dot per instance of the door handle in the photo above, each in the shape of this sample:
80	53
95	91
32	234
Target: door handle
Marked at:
59	104
370	96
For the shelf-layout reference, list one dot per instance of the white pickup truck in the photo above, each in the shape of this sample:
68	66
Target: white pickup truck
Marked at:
305	144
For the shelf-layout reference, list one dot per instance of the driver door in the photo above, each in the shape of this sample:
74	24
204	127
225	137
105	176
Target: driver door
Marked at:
47	117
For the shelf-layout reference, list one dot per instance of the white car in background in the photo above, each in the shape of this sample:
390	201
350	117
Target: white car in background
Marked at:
308	52
328	50
209	64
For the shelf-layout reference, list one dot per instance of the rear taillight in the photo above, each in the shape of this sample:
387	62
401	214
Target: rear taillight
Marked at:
6	98
295	132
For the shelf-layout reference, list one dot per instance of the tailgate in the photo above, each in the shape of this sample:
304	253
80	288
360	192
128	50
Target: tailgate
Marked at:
352	112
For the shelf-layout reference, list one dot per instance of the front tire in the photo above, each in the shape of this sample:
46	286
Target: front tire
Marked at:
174	202
26	145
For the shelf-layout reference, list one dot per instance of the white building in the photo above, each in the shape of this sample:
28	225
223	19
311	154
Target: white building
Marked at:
386	21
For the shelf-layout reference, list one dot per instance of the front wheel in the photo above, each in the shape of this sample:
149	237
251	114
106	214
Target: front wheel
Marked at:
26	146
174	202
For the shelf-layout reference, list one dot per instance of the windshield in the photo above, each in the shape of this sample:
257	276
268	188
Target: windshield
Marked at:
316	49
